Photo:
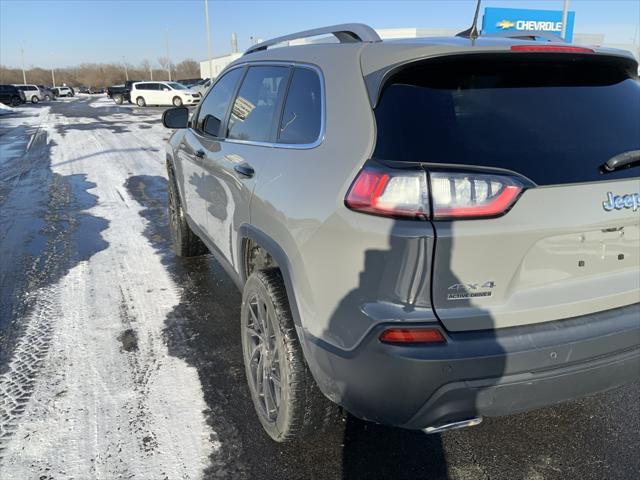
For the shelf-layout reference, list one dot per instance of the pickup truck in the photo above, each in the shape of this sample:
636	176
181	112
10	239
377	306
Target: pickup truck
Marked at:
120	93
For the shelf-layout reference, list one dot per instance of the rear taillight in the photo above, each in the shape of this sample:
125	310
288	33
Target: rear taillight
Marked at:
406	193
400	193
472	195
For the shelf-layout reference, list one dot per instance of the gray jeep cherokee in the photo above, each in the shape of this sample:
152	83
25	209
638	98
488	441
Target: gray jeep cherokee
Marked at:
425	231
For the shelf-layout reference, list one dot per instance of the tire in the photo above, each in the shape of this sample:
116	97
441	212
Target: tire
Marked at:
140	102
118	99
184	242
15	101
288	402
47	98
34	99
177	102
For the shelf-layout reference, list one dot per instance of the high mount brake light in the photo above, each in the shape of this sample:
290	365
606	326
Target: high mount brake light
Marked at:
405	193
550	49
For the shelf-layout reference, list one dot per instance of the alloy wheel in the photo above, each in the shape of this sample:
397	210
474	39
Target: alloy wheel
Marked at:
262	357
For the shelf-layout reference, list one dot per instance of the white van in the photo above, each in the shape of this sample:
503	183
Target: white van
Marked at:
163	93
31	93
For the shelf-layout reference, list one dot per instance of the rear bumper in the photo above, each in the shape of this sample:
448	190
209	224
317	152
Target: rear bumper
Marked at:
485	373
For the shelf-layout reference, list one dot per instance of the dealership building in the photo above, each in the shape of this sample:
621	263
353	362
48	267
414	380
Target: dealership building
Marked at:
494	21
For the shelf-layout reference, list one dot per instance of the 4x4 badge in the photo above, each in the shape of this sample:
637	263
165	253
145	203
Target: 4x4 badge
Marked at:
618	202
471	290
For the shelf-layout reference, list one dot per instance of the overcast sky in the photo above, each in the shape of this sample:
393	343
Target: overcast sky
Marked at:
66	33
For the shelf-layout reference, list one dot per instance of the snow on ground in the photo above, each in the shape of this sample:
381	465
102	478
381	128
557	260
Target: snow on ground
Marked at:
107	401
4	109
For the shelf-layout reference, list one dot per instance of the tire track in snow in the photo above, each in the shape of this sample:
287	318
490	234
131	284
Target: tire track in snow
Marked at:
96	410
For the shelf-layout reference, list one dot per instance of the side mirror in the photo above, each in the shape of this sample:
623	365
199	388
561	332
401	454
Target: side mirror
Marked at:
176	117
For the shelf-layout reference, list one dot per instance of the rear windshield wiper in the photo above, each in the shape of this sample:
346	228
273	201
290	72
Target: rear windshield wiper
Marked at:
623	160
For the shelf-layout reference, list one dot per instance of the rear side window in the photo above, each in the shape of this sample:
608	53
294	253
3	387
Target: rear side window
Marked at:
254	109
142	86
302	114
215	104
553	120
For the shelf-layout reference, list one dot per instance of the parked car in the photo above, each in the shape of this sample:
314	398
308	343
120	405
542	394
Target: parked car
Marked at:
420	237
121	93
63	91
32	93
202	86
163	93
189	82
47	92
11	95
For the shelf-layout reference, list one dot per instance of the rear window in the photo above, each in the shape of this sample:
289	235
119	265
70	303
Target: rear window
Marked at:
553	120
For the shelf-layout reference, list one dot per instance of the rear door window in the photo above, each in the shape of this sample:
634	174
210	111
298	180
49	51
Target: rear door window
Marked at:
215	104
302	115
552	120
255	107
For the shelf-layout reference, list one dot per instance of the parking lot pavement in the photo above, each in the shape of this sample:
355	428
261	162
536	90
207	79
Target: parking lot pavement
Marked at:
119	360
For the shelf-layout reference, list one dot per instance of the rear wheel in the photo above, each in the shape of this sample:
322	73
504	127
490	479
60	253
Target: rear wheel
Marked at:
47	98
118	99
34	99
177	102
184	242
284	393
15	101
140	102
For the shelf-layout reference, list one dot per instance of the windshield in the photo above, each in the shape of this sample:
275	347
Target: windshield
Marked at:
177	86
552	121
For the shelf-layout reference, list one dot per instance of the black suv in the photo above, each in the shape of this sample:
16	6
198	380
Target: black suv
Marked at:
10	95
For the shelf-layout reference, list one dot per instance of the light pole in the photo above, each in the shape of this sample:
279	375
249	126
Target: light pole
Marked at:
168	57
150	71
126	72
53	78
24	75
206	15
565	14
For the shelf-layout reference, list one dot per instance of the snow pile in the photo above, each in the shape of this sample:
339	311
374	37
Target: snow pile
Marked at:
4	109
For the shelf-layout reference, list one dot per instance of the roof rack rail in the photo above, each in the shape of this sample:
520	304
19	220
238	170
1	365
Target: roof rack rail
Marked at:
345	33
528	35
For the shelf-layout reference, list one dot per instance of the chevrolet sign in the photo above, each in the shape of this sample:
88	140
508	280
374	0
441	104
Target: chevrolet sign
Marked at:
520	20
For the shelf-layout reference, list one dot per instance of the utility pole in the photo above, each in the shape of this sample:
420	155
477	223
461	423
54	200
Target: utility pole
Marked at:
24	75
168	57
565	14
150	71
126	72
206	15
53	78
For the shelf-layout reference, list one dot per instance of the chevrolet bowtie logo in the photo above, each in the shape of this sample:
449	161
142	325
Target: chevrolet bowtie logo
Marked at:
506	24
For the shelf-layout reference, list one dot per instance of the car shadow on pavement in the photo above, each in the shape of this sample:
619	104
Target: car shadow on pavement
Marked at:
203	329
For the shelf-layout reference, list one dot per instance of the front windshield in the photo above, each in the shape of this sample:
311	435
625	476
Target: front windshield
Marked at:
177	86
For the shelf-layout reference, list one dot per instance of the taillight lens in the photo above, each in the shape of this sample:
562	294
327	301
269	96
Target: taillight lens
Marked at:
396	194
405	193
472	195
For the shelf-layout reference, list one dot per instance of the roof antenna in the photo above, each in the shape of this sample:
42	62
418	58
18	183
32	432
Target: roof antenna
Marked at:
472	32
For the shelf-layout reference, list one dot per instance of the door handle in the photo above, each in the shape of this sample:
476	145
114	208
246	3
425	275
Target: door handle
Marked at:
200	154
244	169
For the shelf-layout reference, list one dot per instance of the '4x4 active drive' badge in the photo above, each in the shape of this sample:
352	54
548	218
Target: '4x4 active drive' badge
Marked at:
618	202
